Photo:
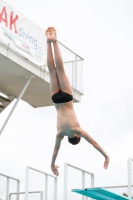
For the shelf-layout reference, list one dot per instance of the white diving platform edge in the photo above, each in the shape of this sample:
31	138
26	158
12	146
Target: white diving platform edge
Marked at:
99	194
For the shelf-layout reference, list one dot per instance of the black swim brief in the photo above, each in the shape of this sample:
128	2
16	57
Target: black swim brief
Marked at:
62	97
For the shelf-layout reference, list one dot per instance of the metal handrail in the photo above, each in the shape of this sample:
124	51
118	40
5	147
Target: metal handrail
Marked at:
70	50
7	184
10	177
46	182
41	172
66	165
41	192
79	169
119	186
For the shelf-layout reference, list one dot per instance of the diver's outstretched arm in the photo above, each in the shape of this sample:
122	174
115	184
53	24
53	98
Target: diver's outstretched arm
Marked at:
54	156
89	139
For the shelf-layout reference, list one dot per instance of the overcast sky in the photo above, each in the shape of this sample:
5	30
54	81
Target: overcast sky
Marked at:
102	33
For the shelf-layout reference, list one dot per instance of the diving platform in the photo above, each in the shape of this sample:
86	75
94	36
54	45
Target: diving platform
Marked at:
14	71
99	194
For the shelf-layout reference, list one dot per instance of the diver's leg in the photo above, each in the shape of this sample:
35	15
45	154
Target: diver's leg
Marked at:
54	83
62	77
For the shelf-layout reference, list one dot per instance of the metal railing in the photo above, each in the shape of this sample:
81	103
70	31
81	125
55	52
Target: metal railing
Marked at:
8	185
19	193
66	176
75	72
45	191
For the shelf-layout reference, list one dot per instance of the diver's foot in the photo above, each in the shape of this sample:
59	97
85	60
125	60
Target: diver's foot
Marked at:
48	35
53	34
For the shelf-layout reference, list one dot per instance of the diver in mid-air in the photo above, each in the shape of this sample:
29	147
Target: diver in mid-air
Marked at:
61	94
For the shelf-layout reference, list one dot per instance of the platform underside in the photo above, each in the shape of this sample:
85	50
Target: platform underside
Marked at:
13	78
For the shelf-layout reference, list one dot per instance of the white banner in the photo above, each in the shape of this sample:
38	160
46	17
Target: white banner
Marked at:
23	35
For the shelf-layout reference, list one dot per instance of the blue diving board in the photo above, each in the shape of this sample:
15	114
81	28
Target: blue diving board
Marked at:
99	194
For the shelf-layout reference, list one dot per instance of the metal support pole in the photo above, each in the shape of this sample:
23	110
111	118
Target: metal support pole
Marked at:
18	187
19	97
55	188
83	183
75	76
92	180
41	197
129	177
65	181
75	72
26	183
73	81
46	187
7	189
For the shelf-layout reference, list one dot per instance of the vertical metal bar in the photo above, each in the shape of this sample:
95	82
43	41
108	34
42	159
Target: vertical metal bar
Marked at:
75	72
18	187
92	180
46	187
41	196
26	183
129	177
83	183
9	196
55	188
73	77
19	97
7	189
65	181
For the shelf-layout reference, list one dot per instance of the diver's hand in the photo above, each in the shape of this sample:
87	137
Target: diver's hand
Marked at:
55	169
106	162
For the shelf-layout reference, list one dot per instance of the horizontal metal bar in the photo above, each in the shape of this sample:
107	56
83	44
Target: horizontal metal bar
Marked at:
9	177
70	61
70	50
120	186
80	169
42	172
24	192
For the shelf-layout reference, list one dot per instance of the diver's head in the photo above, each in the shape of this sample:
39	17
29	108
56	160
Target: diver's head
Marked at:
74	140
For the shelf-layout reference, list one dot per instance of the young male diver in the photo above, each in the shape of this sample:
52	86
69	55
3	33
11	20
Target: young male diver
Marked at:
61	94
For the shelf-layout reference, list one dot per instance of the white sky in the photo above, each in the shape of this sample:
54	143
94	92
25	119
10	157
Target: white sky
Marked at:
102	33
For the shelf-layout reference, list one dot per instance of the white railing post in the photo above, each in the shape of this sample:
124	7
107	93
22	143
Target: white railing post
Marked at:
83	183
65	181
129	177
18	187
41	196
92	180
7	188
75	72
46	187
9	196
73	77
55	188
26	183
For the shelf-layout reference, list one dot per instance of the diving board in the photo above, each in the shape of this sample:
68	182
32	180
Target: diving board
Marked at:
100	194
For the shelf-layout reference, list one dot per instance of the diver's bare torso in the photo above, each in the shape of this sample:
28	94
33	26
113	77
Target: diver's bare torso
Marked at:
67	122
